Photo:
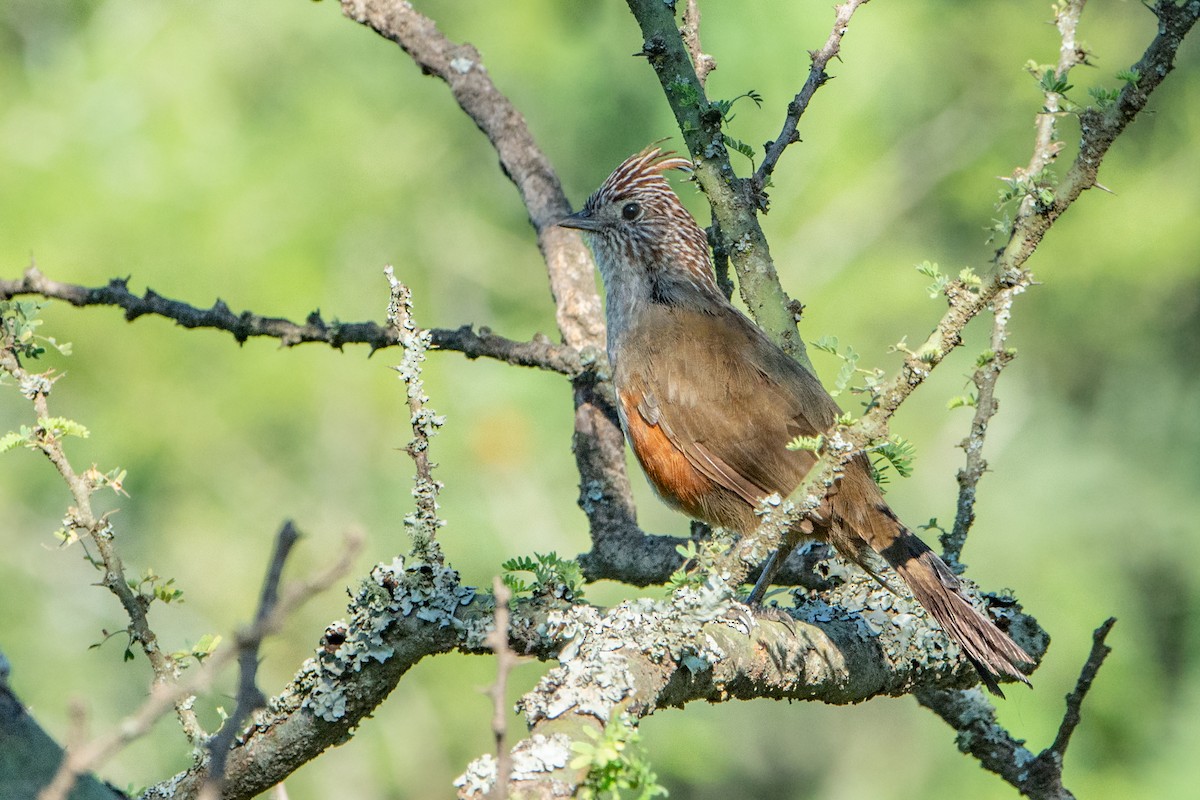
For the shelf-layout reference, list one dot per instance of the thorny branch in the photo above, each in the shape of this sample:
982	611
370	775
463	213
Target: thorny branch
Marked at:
540	353
701	61
598	444
817	77
1035	776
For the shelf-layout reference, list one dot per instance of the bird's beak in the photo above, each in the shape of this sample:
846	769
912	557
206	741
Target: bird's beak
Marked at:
580	220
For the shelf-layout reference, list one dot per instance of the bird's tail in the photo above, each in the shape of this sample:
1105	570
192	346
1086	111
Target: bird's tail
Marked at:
993	654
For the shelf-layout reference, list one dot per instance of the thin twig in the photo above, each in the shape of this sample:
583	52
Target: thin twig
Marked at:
817	77
540	352
497	640
249	697
701	61
81	519
598	444
980	735
984	378
1087	676
163	696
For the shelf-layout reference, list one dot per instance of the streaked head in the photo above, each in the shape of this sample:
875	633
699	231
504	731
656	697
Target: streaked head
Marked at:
635	222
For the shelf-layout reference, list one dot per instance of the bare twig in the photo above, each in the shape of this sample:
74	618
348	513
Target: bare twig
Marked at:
1036	776
701	61
817	77
540	353
163	696
249	697
984	378
1087	676
506	659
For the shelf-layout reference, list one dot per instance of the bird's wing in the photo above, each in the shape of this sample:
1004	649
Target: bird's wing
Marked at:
726	399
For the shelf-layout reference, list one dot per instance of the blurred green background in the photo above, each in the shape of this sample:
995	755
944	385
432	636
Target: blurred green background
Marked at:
277	156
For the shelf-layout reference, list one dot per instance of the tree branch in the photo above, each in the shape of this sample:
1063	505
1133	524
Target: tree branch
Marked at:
645	655
817	77
979	735
165	695
540	352
735	203
81	521
598	443
984	379
249	697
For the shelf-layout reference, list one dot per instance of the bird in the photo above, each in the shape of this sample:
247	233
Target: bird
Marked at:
708	404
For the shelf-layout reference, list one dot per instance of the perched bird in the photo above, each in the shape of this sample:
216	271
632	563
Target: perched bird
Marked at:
709	403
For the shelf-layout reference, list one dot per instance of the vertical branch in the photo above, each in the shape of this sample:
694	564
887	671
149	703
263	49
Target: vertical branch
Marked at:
422	524
598	444
984	378
701	61
505	660
249	697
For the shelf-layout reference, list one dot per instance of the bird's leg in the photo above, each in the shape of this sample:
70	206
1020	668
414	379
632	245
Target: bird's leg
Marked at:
770	569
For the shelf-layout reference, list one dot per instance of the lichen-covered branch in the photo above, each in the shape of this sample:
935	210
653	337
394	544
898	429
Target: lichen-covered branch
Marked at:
817	77
422	524
645	655
979	735
540	353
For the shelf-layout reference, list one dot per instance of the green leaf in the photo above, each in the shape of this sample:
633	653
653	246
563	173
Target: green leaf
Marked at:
14	439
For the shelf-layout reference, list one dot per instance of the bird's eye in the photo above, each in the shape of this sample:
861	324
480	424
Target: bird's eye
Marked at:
631	211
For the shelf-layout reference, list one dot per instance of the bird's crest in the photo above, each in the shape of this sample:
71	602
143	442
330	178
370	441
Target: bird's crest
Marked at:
638	173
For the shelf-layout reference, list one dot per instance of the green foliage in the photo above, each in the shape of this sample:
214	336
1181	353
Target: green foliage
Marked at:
962	401
151	587
616	767
127	654
1051	83
897	453
18	321
1104	98
698	561
725	106
811	443
553	576
930	270
1130	76
1017	187
46	430
871	379
204	647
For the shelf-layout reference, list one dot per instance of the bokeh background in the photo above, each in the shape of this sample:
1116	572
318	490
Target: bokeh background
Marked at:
277	156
